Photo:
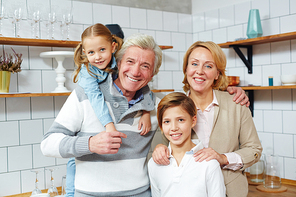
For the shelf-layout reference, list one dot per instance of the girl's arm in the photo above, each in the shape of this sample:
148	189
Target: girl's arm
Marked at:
145	123
91	88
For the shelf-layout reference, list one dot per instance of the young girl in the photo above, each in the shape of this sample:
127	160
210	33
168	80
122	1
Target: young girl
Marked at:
176	114
94	59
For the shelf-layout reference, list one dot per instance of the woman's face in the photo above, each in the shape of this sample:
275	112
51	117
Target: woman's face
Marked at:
201	70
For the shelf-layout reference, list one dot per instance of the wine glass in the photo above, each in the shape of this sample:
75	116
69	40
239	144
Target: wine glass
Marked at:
34	14
36	190
17	14
52	18
52	190
67	19
64	185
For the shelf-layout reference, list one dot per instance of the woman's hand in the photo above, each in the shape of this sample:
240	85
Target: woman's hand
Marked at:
209	154
240	96
161	155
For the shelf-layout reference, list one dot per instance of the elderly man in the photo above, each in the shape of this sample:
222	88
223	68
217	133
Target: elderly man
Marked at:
113	163
77	132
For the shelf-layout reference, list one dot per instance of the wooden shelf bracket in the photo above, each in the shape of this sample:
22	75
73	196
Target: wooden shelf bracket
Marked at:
248	62
251	99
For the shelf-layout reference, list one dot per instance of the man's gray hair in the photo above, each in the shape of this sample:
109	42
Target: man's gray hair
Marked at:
145	42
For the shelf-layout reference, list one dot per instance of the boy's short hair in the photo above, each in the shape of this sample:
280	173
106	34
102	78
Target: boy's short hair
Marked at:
173	100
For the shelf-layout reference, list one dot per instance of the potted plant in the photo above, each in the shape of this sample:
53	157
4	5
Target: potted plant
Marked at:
9	64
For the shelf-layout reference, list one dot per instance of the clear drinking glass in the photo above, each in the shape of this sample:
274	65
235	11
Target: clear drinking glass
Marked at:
273	173
52	190
257	171
36	190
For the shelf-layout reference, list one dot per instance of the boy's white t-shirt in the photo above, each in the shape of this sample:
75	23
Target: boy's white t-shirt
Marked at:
189	179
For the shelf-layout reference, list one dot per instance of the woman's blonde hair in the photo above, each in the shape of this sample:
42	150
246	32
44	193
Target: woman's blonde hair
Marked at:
145	42
220	61
94	30
173	100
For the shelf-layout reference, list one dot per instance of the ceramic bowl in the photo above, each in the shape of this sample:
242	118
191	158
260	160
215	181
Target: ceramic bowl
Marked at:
233	80
288	79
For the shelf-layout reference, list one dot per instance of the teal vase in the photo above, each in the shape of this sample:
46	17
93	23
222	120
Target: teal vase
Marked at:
254	29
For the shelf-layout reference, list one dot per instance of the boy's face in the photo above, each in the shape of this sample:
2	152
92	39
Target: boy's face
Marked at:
177	124
98	51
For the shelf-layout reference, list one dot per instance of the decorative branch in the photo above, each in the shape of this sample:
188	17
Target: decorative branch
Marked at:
11	63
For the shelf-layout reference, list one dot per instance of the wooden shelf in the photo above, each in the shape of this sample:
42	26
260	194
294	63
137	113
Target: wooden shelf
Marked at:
163	90
47	43
248	44
59	94
268	87
261	40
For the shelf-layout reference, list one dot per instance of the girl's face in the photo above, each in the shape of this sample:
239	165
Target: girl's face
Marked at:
177	125
98	51
201	70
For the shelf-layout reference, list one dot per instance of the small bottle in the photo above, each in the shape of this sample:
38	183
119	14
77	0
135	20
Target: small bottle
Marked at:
270	81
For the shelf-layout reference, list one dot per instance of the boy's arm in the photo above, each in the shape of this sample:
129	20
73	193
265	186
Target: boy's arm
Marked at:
155	191
145	123
215	180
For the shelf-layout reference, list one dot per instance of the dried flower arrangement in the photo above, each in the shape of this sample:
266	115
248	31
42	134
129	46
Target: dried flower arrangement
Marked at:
10	64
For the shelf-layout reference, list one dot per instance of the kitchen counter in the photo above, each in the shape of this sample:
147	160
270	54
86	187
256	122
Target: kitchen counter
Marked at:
290	184
253	192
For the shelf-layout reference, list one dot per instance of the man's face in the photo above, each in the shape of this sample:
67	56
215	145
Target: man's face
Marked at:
136	68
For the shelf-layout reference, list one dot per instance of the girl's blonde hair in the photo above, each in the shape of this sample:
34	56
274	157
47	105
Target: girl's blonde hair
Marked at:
173	100
94	30
220	61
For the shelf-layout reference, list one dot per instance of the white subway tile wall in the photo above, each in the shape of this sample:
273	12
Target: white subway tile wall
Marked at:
292	7
185	23
211	18
263	7
154	20
279	8
3	162
23	121
241	13
102	13
138	18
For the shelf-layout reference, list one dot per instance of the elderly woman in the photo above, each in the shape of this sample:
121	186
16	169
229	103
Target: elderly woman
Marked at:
225	128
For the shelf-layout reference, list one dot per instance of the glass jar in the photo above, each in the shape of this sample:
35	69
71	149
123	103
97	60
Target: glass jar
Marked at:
257	171
273	173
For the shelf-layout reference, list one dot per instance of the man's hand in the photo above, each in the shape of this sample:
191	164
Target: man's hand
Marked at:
106	142
160	155
240	96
